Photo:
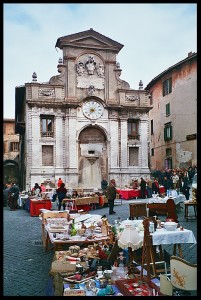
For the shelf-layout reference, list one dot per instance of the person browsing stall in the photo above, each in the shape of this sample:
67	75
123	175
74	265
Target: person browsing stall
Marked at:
61	193
111	196
104	185
59	182
13	196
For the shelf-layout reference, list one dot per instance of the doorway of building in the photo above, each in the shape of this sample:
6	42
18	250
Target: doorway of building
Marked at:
92	157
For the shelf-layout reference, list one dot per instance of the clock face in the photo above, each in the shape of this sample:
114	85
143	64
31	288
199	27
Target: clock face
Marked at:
92	109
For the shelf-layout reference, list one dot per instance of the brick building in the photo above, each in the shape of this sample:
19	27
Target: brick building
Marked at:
173	118
10	152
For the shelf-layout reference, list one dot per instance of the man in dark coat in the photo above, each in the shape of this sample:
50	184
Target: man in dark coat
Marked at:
111	196
143	188
6	192
155	186
104	185
167	184
61	193
184	188
13	196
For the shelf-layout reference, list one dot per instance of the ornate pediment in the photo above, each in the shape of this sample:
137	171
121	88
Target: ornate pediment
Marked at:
90	39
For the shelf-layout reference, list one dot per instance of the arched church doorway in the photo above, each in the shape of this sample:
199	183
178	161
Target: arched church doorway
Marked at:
92	157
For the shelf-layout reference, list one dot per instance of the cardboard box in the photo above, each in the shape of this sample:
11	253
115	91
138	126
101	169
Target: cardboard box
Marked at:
65	266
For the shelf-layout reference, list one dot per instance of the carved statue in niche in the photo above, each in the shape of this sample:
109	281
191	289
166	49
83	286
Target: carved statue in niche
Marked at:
90	65
80	68
90	72
100	70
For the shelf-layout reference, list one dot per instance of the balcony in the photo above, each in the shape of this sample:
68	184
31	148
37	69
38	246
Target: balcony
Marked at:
47	134
134	137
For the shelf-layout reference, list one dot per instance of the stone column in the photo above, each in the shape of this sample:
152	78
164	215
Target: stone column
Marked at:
124	140
59	134
72	146
36	155
144	143
114	145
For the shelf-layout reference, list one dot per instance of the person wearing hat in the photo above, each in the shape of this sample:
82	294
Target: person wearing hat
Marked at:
111	196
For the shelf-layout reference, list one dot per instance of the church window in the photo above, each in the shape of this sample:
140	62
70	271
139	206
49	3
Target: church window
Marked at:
133	132
47	126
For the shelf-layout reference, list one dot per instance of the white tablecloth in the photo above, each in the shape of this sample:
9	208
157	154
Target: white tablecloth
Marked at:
164	236
178	199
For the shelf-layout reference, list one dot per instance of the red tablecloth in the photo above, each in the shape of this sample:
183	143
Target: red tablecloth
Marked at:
131	193
36	205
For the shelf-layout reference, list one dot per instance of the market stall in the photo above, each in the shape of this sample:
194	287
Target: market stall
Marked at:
135	193
37	204
85	203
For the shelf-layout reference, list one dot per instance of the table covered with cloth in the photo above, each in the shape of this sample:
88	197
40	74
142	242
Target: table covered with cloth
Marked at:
177	199
135	193
163	236
85	203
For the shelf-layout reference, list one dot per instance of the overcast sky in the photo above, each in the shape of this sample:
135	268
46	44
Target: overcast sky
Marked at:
155	37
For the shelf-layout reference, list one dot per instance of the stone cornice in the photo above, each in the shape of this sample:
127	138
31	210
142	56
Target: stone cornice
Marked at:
70	58
112	62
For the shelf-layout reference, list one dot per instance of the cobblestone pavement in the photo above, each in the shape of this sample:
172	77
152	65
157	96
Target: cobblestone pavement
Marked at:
26	265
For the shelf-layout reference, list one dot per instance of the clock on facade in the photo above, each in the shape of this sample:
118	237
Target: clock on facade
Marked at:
92	109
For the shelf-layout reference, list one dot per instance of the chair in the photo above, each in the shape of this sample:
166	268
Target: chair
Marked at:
137	210
187	206
183	274
171	210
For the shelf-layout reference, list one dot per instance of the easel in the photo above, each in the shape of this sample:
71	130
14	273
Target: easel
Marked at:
147	251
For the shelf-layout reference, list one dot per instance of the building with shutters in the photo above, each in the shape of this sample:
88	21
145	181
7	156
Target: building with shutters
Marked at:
10	152
173	117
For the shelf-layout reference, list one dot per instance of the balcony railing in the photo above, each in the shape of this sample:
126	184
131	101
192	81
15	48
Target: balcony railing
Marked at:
47	134
134	137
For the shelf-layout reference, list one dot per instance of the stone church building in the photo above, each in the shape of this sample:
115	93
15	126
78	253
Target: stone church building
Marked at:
85	123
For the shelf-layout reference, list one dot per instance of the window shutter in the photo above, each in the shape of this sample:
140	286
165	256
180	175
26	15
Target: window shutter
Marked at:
168	109
165	134
163	88
170	85
170	132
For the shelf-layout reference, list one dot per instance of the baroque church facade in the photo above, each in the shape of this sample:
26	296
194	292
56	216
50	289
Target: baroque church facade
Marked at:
85	123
